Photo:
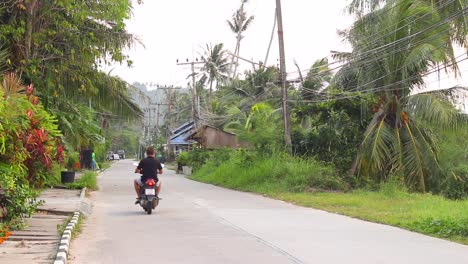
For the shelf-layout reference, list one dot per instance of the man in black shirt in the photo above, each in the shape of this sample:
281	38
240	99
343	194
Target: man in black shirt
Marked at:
149	167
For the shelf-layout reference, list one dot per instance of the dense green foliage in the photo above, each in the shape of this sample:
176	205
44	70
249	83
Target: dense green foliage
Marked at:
331	131
30	144
59	46
453	180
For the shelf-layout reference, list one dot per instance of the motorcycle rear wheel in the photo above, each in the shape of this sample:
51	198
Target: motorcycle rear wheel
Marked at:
149	210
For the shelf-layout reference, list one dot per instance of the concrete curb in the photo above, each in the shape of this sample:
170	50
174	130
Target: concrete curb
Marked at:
64	243
82	194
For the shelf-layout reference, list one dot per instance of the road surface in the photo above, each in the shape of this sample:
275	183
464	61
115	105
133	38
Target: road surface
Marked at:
201	223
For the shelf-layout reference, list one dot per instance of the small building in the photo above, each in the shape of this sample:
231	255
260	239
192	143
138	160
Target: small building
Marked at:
178	142
214	138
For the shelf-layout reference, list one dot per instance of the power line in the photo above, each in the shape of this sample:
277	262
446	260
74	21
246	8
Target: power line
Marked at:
381	49
373	90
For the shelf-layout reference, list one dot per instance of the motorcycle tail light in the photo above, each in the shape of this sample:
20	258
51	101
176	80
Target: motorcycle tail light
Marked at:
151	182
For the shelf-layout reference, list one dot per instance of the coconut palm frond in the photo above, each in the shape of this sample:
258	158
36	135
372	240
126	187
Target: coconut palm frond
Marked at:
419	155
435	107
360	6
247	23
375	150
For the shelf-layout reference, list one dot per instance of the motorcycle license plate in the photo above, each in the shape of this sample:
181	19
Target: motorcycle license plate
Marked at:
150	191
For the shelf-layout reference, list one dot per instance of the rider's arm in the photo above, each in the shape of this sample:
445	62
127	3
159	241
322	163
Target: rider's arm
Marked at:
160	169
139	167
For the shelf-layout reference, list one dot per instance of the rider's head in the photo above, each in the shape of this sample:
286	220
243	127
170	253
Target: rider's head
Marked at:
150	152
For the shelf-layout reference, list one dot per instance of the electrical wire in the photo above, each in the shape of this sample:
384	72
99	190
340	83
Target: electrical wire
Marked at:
374	90
380	49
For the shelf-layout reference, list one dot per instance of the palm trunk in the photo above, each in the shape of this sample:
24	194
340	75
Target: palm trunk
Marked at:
237	60
232	73
31	6
211	90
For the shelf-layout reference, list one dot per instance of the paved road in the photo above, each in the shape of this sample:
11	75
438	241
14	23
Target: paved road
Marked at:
199	223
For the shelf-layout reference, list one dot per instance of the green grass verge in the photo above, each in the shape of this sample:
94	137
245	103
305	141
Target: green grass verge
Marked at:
427	214
88	180
302	182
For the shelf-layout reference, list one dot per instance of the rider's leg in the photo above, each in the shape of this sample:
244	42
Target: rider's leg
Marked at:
158	189
137	188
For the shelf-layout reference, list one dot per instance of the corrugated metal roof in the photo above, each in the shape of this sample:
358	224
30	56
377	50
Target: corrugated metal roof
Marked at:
180	139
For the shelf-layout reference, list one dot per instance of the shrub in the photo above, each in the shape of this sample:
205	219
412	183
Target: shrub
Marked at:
183	158
453	179
88	180
73	160
29	145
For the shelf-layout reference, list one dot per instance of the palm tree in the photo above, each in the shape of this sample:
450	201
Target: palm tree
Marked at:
394	47
216	65
443	8
238	24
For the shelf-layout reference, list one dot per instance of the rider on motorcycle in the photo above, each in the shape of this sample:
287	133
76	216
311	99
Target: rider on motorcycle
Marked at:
149	167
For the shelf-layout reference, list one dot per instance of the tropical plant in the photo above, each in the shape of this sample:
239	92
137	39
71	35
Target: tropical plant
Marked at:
29	144
454	11
258	86
394	47
262	128
331	130
216	66
238	24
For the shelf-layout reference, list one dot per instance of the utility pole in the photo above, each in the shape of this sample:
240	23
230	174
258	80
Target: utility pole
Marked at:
195	97
168	90
284	85
170	97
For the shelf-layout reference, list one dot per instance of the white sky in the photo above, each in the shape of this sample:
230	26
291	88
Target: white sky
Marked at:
180	29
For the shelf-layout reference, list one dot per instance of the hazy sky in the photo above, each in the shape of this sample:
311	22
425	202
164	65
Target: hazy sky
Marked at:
180	29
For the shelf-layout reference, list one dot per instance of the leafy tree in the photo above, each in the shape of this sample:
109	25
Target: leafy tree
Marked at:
59	46
262	128
394	47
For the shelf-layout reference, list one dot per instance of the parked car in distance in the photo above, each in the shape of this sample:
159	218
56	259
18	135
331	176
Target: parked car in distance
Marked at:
121	154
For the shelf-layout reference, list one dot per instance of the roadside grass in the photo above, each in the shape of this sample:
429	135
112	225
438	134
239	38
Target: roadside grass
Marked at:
424	213
88	180
312	184
76	231
250	171
105	165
